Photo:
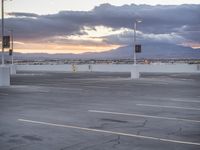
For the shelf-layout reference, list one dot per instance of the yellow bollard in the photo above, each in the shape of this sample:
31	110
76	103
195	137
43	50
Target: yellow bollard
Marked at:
74	68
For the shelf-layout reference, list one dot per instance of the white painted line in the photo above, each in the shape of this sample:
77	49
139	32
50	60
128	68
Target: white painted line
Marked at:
143	84
145	116
187	79
4	94
41	91
68	89
187	101
109	132
174	107
91	86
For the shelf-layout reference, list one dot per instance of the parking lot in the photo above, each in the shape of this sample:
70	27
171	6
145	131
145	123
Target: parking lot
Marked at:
100	111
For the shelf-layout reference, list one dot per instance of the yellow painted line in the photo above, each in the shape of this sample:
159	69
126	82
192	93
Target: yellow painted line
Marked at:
109	132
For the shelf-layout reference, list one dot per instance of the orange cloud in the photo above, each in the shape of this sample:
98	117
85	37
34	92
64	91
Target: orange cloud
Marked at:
58	48
194	45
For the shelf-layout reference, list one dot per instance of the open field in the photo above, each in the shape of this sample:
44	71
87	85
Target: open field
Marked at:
100	111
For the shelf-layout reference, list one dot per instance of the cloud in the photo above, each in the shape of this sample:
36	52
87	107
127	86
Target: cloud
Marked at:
126	38
168	23
20	14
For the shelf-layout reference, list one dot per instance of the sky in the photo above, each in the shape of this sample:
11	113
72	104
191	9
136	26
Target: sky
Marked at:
65	26
54	6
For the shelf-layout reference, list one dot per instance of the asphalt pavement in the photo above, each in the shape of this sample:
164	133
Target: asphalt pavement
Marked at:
100	111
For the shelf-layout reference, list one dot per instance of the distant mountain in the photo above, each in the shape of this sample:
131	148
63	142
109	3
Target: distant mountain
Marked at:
169	51
161	51
151	51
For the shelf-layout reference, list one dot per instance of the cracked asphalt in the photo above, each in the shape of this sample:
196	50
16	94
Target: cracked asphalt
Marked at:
100	111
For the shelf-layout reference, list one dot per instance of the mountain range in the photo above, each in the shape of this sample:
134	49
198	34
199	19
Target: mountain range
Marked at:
149	51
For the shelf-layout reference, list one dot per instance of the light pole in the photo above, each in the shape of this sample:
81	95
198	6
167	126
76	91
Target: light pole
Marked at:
135	28
4	70
12	44
135	74
12	67
2	27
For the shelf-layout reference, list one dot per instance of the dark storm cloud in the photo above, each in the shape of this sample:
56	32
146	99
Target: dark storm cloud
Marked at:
156	19
19	14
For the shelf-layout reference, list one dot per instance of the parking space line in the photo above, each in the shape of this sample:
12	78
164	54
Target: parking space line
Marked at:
187	101
144	116
173	107
43	91
109	132
91	86
4	94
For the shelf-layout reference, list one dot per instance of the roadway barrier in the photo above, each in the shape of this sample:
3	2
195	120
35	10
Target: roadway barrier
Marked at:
13	69
160	68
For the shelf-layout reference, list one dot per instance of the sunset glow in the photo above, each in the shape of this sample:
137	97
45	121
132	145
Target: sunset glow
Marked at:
97	26
53	49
